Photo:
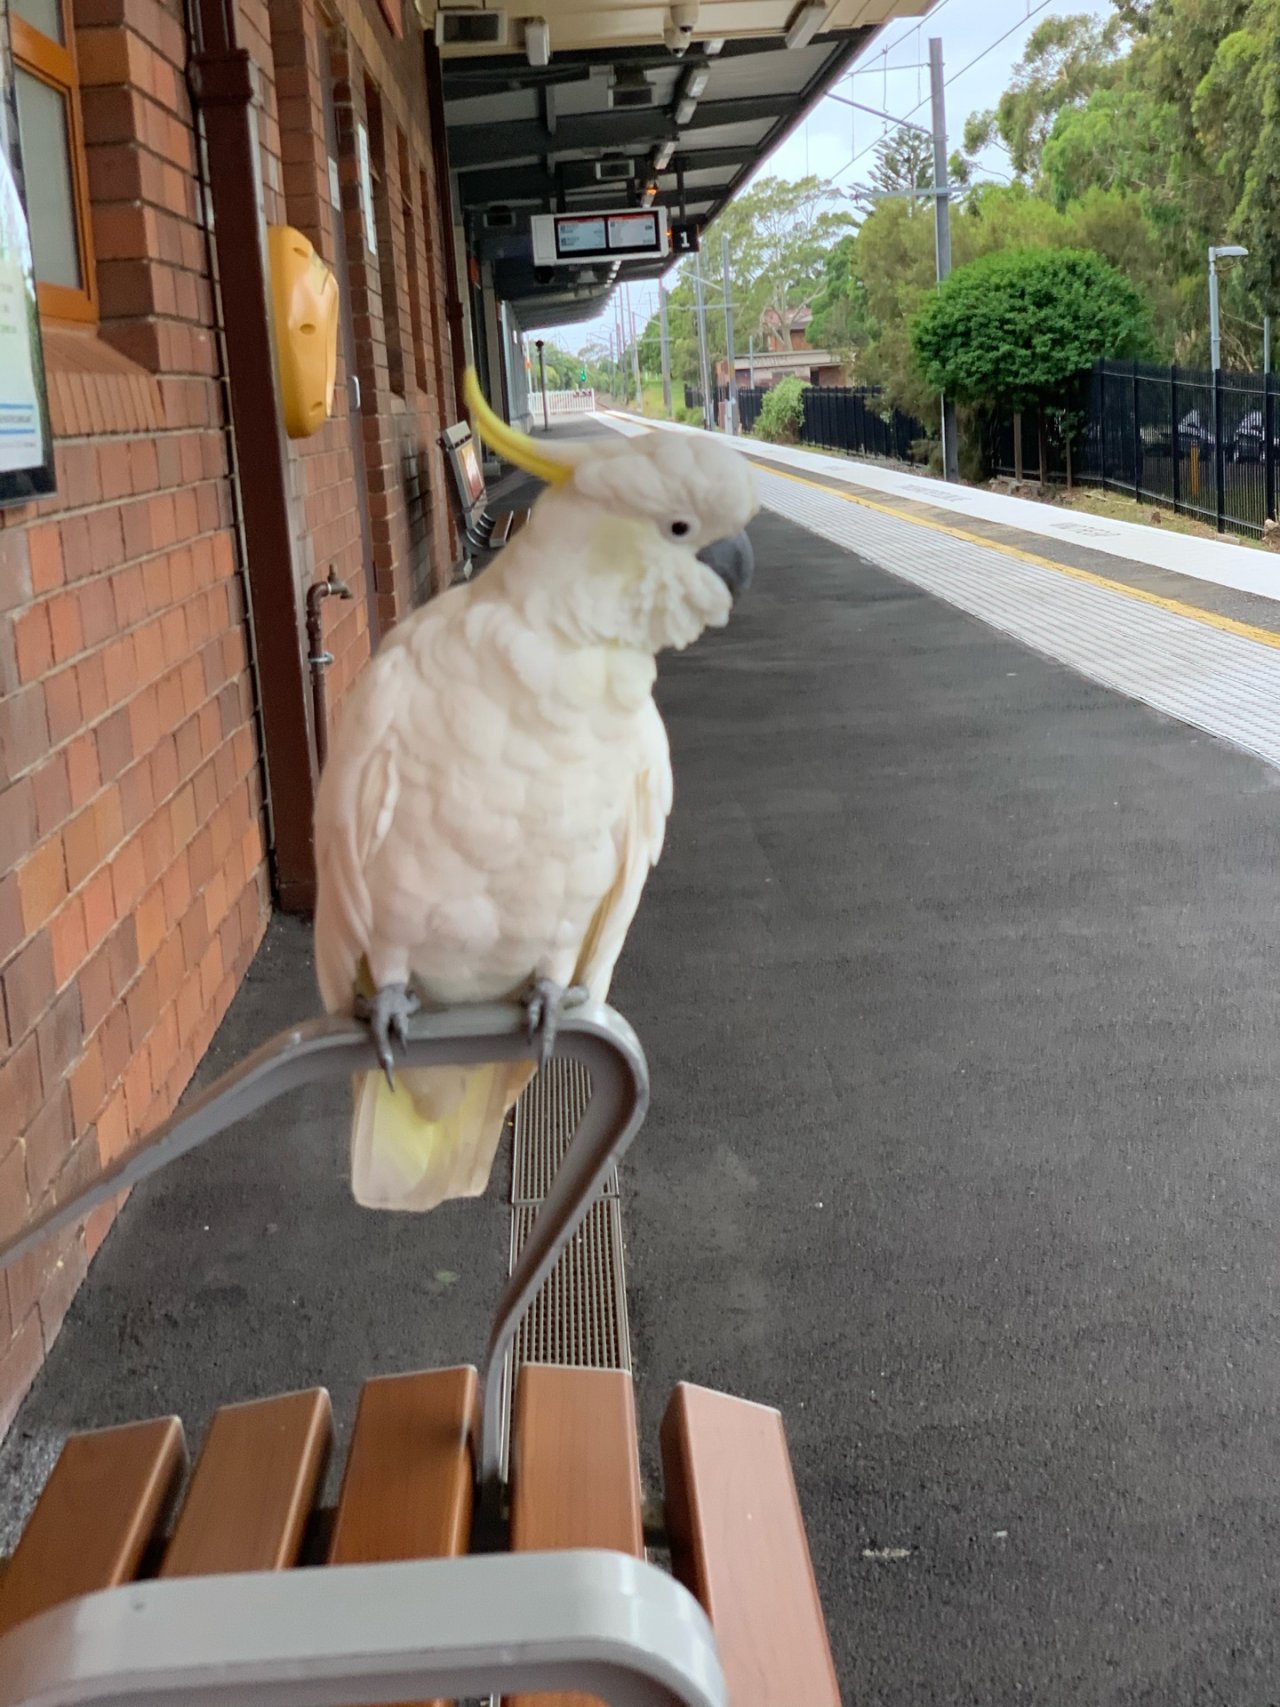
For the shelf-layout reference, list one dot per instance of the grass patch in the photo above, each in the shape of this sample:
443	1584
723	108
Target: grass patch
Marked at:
1115	507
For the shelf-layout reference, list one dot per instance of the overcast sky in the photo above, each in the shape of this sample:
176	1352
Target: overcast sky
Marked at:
892	75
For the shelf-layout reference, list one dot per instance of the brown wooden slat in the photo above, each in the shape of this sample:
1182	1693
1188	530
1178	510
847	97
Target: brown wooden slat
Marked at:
575	1472
407	1491
107	1497
738	1542
253	1487
408	1485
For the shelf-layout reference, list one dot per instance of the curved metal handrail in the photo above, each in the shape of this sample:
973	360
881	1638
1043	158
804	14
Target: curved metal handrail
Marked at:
605	1624
336	1048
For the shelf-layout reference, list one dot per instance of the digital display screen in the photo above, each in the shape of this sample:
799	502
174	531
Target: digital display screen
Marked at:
633	231
622	233
580	236
587	236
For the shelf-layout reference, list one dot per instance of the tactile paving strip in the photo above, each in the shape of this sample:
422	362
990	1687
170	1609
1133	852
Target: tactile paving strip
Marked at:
1224	683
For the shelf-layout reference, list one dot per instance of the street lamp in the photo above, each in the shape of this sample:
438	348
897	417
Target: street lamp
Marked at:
1223	252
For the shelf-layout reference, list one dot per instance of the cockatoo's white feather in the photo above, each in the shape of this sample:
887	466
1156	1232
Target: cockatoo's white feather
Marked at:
498	786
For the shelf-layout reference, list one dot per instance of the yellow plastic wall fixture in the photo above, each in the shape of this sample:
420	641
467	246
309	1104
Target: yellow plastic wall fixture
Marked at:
304	307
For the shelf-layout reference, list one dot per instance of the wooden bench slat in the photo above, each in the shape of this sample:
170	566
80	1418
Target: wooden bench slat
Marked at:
738	1542
407	1490
575	1472
253	1487
518	519
109	1493
410	1479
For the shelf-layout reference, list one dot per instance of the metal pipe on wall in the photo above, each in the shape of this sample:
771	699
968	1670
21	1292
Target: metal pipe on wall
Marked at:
221	80
318	658
440	150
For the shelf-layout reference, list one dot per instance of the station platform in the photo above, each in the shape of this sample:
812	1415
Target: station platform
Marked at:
1188	626
958	982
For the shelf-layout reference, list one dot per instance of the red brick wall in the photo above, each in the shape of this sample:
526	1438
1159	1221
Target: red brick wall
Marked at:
133	891
133	877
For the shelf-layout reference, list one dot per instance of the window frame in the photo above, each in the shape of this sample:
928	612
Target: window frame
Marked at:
54	64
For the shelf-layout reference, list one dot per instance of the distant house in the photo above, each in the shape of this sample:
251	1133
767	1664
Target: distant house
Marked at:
784	352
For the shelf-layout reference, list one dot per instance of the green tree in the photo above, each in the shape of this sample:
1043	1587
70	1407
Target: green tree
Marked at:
1189	125
779	236
841	318
903	163
1064	61
1018	328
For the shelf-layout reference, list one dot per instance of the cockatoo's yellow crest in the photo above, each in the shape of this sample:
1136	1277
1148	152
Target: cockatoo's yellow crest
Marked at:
518	448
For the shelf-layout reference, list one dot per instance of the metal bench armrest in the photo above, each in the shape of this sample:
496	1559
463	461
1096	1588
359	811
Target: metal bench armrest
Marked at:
597	1623
335	1048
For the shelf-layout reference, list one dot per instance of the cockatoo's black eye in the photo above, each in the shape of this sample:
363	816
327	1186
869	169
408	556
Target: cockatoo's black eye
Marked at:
678	530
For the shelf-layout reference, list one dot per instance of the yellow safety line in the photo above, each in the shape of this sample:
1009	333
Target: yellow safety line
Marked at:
1179	607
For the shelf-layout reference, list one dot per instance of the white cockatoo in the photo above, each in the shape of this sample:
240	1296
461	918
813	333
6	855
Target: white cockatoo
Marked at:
498	786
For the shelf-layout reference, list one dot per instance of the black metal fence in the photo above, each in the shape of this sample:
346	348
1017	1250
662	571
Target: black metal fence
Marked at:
1203	444
836	417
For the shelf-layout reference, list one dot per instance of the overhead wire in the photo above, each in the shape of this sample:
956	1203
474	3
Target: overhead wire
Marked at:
964	69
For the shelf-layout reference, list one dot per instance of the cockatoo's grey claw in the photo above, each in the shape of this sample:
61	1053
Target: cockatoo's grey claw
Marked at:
386	1015
544	1002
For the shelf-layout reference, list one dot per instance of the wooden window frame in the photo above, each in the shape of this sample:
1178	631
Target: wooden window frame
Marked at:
55	65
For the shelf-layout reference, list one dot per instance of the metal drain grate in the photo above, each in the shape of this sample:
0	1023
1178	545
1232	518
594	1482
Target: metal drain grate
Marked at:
546	1118
580	1315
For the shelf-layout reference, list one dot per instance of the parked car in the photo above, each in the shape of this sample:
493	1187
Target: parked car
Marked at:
1192	430
1249	437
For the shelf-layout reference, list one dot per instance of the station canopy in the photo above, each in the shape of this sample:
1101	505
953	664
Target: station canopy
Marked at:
592	107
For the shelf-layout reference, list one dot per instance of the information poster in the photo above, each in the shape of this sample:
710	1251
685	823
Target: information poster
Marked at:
26	443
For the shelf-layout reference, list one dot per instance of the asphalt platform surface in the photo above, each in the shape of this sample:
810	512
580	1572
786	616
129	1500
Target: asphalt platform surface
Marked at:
960	986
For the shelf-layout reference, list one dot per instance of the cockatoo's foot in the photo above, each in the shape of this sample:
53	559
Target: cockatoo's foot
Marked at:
544	1002
386	1015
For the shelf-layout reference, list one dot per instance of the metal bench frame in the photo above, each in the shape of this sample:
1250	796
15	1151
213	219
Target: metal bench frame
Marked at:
599	1623
483	530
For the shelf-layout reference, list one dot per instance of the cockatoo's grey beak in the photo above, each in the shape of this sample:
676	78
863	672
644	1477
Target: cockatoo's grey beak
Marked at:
733	561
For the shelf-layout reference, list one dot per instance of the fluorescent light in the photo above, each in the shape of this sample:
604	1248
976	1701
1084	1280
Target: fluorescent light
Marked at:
662	156
685	111
537	41
806	23
696	82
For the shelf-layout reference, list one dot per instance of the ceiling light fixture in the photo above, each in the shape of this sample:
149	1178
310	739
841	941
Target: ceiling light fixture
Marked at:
805	23
695	82
662	156
537	41
685	111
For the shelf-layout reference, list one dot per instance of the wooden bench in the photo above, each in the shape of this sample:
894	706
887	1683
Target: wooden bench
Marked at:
441	1579
482	530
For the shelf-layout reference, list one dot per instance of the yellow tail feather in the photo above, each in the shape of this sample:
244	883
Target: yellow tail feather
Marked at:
434	1137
